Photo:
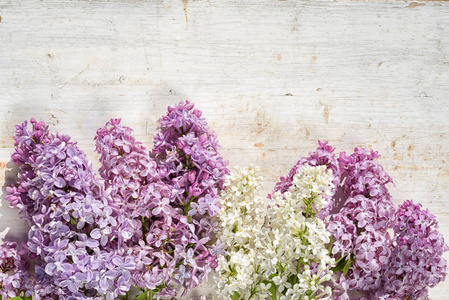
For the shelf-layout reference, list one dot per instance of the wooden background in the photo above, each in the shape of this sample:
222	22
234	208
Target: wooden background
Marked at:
271	78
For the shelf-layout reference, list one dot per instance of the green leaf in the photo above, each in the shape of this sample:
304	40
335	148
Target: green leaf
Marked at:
73	221
347	266
16	298
234	228
340	264
142	296
272	290
291	279
235	296
329	246
27	298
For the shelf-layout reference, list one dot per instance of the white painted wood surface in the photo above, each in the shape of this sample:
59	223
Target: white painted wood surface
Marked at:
272	77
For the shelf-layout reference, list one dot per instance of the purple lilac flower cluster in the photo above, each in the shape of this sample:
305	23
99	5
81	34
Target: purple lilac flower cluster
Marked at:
361	242
15	280
323	155
24	156
147	221
416	262
186	152
132	177
74	230
154	226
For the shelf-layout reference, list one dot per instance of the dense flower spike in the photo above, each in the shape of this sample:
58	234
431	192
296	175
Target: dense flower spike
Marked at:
74	232
127	168
144	202
286	258
186	152
171	199
243	215
322	156
361	242
15	279
132	177
294	216
25	156
416	262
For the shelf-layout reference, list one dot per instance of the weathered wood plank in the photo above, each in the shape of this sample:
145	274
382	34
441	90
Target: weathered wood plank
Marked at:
271	78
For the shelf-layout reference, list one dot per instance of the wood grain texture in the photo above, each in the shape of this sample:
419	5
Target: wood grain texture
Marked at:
271	78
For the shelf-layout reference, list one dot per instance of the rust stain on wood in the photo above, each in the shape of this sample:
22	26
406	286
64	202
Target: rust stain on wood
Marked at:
259	145
326	114
279	57
307	132
393	144
2	165
262	127
415	4
314	58
443	173
55	118
185	12
262	123
414	168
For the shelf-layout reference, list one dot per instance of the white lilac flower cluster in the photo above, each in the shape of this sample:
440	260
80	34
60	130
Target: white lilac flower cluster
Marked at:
242	217
285	257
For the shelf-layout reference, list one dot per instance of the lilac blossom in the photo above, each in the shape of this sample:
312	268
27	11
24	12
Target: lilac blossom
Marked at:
65	203
170	197
361	242
323	155
146	216
187	155
15	279
416	263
